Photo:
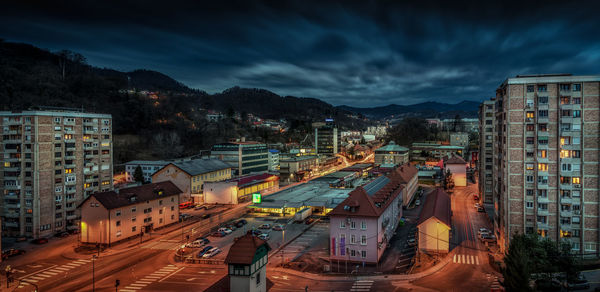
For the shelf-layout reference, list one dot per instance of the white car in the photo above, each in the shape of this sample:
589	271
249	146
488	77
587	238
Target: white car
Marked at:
226	230
211	253
417	202
195	244
264	236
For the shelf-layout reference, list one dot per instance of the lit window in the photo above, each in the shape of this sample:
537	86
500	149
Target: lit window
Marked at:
529	166
542	154
530	115
542	166
565	154
576	180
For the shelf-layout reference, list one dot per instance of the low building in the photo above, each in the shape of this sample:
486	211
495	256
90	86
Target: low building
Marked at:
434	223
362	225
391	154
297	168
338	179
273	160
409	175
109	217
239	189
190	176
247	264
458	168
361	169
148	167
445	150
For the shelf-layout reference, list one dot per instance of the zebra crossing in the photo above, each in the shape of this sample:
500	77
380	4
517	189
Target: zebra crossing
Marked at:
50	272
149	279
163	244
465	259
361	286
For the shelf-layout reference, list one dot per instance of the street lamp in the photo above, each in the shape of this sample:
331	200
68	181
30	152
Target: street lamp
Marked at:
94	257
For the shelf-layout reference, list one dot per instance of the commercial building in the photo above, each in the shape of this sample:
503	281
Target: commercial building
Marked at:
435	223
458	168
362	225
486	149
274	159
51	161
148	167
190	176
297	168
239	189
459	139
391	154
109	217
244	157
328	139
546	164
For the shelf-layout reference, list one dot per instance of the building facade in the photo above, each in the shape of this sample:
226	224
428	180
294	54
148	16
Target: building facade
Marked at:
296	168
51	161
273	159
435	223
190	176
546	159
149	167
239	189
109	217
328	139
486	149
391	154
458	168
244	157
459	139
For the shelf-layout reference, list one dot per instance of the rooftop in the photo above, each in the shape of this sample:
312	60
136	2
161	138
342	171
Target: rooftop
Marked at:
244	249
392	147
111	199
148	162
437	205
200	166
243	181
455	159
306	194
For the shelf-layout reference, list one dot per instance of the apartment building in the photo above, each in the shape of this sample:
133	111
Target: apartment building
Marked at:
51	161
328	138
486	148
546	159
245	157
110	217
148	167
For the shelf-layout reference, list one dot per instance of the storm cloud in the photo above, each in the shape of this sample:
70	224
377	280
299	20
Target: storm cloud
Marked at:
365	53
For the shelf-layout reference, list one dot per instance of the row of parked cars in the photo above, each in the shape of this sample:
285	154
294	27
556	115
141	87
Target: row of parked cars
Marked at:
486	235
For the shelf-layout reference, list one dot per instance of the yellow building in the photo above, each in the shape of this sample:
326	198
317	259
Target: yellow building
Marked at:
240	189
435	223
191	175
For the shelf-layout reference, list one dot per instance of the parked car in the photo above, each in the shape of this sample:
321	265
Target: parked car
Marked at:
231	226
264	236
411	242
417	202
204	250
309	221
481	210
485	237
241	223
205	216
278	227
11	252
225	230
218	234
73	231
256	232
183	217
203	239
198	243
199	207
40	240
211	253
265	226
62	234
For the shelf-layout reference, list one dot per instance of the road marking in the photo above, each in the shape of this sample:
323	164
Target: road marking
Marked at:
190	279
152	277
126	290
130	287
50	273
138	285
61	269
144	282
463	258
171	274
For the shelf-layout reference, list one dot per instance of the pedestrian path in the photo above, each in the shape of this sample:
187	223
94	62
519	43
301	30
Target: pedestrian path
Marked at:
163	244
147	280
465	259
51	272
361	286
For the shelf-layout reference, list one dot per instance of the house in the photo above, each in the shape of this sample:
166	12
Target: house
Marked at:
362	225
190	176
109	217
434	223
458	168
409	175
239	189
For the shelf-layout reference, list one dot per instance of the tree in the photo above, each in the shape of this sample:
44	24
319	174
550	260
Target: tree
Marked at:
516	265
138	175
457	124
448	181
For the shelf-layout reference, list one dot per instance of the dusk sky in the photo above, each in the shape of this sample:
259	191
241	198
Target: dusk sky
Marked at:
366	54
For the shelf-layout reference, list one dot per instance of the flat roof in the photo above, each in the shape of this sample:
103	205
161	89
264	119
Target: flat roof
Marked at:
56	113
551	78
306	194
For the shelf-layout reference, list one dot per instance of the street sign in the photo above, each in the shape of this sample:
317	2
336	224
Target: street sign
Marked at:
256	198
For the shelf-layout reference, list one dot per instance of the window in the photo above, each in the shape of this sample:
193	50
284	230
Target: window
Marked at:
258	276
352	253
577	114
576	140
565	127
542	166
590	246
541	219
530	88
543	140
543	180
159	202
576	180
172	208
133	219
543	113
529	140
529	192
565	100
565	140
363	253
576	127
352	225
565	153
529	178
363	240
133	209
342	223
576	154
565	87
133	229
530	127
542	127
530	115
542	153
576	167
576	87
529	205
118	223
529	166
118	213
565	167
528	154
542	88
565	113
565	193
576	100
363	225
353	239
542	99
160	211
565	180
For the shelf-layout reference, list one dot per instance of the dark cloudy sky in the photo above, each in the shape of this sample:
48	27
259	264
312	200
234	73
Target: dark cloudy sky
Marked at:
363	53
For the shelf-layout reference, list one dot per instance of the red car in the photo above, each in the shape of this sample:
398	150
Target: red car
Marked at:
309	221
11	252
40	240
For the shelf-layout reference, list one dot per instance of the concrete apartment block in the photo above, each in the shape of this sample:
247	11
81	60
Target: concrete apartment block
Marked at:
486	150
545	159
51	161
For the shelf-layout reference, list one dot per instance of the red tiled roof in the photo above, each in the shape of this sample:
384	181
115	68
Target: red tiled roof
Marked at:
438	205
243	249
407	172
365	205
455	159
111	199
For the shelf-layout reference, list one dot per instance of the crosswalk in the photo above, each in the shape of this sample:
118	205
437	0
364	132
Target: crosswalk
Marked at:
163	244
361	286
147	280
465	259
51	272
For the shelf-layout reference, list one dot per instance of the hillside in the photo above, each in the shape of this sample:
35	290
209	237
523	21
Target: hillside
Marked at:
466	109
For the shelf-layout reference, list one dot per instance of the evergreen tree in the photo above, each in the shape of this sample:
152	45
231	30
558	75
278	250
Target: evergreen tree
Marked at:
516	265
138	175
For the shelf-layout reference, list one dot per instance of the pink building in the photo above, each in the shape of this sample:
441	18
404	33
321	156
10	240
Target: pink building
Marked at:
458	168
362	225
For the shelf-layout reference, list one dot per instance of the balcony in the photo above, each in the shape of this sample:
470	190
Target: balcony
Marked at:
12	150
11	224
12	122
13	140
69	140
90	156
566	213
90	180
73	148
70	183
12	205
69	157
71	217
71	191
12	215
70	165
542	212
12	187
90	131
89	188
87	146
